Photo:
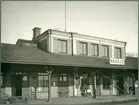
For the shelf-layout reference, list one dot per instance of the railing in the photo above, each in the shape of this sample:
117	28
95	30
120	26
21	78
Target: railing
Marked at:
125	92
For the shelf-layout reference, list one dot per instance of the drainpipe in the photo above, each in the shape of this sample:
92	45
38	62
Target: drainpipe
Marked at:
72	42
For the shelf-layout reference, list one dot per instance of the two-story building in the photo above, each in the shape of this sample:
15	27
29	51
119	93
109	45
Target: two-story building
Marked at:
67	63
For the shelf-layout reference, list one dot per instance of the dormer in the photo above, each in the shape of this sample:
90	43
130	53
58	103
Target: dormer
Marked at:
22	42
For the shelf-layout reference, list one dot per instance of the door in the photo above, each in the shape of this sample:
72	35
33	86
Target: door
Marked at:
98	89
17	85
120	84
63	85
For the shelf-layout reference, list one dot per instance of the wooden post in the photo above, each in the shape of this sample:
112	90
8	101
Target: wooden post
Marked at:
49	87
133	80
94	85
49	71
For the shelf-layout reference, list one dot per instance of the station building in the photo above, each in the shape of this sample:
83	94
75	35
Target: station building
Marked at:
63	64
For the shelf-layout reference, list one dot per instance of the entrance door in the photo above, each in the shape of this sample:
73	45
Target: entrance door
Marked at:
84	84
98	89
17	85
120	84
63	85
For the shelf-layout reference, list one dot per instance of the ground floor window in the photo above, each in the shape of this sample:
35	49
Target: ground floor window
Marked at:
42	82
63	79
106	82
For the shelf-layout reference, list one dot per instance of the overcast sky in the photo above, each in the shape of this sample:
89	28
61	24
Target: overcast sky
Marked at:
96	18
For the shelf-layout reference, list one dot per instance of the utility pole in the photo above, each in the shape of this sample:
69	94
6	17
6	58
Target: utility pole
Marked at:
65	17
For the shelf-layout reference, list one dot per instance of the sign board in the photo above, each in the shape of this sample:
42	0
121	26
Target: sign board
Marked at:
116	61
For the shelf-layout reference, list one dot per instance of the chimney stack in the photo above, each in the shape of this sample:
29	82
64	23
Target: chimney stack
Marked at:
36	32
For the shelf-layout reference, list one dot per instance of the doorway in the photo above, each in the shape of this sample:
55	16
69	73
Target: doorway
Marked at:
63	85
120	84
17	85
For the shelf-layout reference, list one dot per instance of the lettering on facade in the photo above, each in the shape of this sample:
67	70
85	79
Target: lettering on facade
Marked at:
117	61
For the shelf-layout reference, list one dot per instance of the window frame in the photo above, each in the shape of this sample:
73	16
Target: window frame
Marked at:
62	82
105	46
60	42
81	52
44	88
116	53
93	49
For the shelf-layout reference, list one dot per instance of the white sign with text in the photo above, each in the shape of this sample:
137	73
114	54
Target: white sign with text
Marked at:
116	61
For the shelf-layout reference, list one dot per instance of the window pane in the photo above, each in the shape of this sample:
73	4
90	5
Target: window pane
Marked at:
83	48
41	83
64	46
45	89
45	77
60	79
94	49
45	83
64	78
40	89
117	52
41	77
105	50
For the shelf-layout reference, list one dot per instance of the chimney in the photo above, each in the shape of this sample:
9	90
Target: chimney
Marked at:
36	32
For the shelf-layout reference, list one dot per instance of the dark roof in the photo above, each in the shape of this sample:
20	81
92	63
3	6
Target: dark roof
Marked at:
28	41
31	55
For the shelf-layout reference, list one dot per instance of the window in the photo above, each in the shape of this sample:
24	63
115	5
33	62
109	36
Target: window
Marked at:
94	49
130	81
106	82
43	82
63	80
105	51
117	52
83	48
62	44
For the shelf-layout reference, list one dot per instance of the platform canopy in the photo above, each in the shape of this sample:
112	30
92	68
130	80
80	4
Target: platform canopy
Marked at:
33	55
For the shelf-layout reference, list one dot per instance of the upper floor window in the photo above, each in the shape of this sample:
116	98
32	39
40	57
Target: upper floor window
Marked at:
62	46
94	49
117	52
105	50
83	48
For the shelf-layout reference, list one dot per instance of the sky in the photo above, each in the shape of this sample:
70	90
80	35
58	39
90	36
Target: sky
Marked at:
107	19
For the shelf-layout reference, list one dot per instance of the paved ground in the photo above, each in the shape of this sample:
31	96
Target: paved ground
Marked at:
107	100
129	103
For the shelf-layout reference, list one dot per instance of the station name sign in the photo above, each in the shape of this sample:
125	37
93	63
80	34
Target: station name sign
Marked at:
116	61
